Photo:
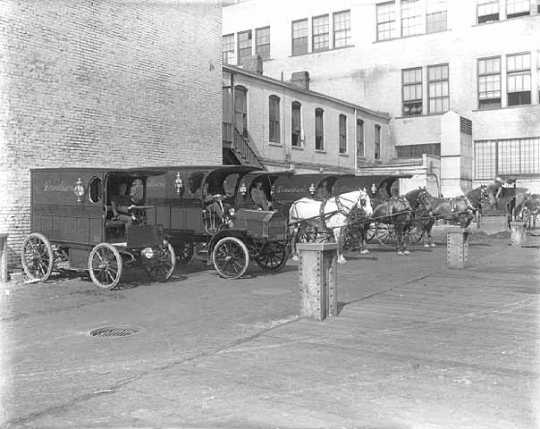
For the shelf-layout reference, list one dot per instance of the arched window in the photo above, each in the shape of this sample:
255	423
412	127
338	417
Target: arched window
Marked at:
296	124
274	130
95	190
342	133
319	129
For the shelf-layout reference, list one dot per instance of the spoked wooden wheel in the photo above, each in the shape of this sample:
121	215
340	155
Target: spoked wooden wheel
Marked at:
230	257
37	257
105	265
161	267
380	232
273	256
184	252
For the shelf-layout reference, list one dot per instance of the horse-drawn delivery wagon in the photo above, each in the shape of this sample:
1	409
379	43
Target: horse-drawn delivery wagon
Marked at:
97	220
198	207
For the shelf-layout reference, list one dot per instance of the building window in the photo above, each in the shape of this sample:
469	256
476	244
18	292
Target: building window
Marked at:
489	83
360	150
411	17
485	157
386	21
273	119
262	42
342	134
515	8
300	37
228	49
518	79
436	16
244	46
438	94
296	124
487	10
342	29
321	28
416	151
538	6
377	153
412	91
319	129
511	157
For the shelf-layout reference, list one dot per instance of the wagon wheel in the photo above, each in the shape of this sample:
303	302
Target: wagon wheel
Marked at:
371	232
379	232
161	267
184	252
105	265
415	233
37	257
230	257
273	256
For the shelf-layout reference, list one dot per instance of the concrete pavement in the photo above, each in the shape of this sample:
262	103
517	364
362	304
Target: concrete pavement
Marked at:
415	346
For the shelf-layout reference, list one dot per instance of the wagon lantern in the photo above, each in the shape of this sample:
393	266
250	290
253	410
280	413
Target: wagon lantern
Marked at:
178	184
273	190
78	190
243	189
312	189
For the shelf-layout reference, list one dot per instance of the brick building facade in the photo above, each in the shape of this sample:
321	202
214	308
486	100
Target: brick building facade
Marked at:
111	84
417	60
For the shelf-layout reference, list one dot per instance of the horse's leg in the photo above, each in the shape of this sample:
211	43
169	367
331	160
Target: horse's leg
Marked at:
338	236
405	237
363	240
294	237
399	238
429	228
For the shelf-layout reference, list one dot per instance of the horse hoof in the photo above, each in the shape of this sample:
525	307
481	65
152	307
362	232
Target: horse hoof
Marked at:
433	245
295	258
426	245
364	252
400	253
342	261
406	252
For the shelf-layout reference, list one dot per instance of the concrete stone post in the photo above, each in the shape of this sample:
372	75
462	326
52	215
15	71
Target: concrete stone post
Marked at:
318	279
3	258
457	247
518	234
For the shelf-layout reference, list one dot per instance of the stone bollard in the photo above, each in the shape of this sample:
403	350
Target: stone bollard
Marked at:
3	257
457	247
318	279
518	234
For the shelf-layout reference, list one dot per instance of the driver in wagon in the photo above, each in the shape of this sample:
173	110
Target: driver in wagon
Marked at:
122	204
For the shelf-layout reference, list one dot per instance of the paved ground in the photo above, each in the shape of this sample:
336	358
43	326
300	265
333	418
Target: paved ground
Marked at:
415	346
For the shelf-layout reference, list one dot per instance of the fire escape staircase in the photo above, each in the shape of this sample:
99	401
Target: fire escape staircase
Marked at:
241	146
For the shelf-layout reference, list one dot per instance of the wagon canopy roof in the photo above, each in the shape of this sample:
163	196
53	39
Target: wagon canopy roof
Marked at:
349	180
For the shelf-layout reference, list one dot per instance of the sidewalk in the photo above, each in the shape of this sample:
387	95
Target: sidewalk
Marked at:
415	346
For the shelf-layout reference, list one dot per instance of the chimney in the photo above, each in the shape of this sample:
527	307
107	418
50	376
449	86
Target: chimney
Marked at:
253	64
300	79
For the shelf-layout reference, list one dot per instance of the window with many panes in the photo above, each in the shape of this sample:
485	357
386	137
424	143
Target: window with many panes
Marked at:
386	21
412	91
274	132
487	10
296	124
320	29
300	37
319	129
515	8
342	29
438	94
489	83
244	46
342	134
538	6
377	152
360	150
506	157
518	79
262	42
411	17
436	16
228	49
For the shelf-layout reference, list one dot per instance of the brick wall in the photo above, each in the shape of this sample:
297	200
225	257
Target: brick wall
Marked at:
104	83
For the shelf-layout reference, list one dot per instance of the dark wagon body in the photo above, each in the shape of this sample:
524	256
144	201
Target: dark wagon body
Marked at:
198	207
73	226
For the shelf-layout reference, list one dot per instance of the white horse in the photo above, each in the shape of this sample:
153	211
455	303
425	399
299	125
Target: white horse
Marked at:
332	214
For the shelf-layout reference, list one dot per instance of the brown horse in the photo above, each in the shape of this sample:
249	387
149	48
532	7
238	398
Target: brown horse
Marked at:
461	210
